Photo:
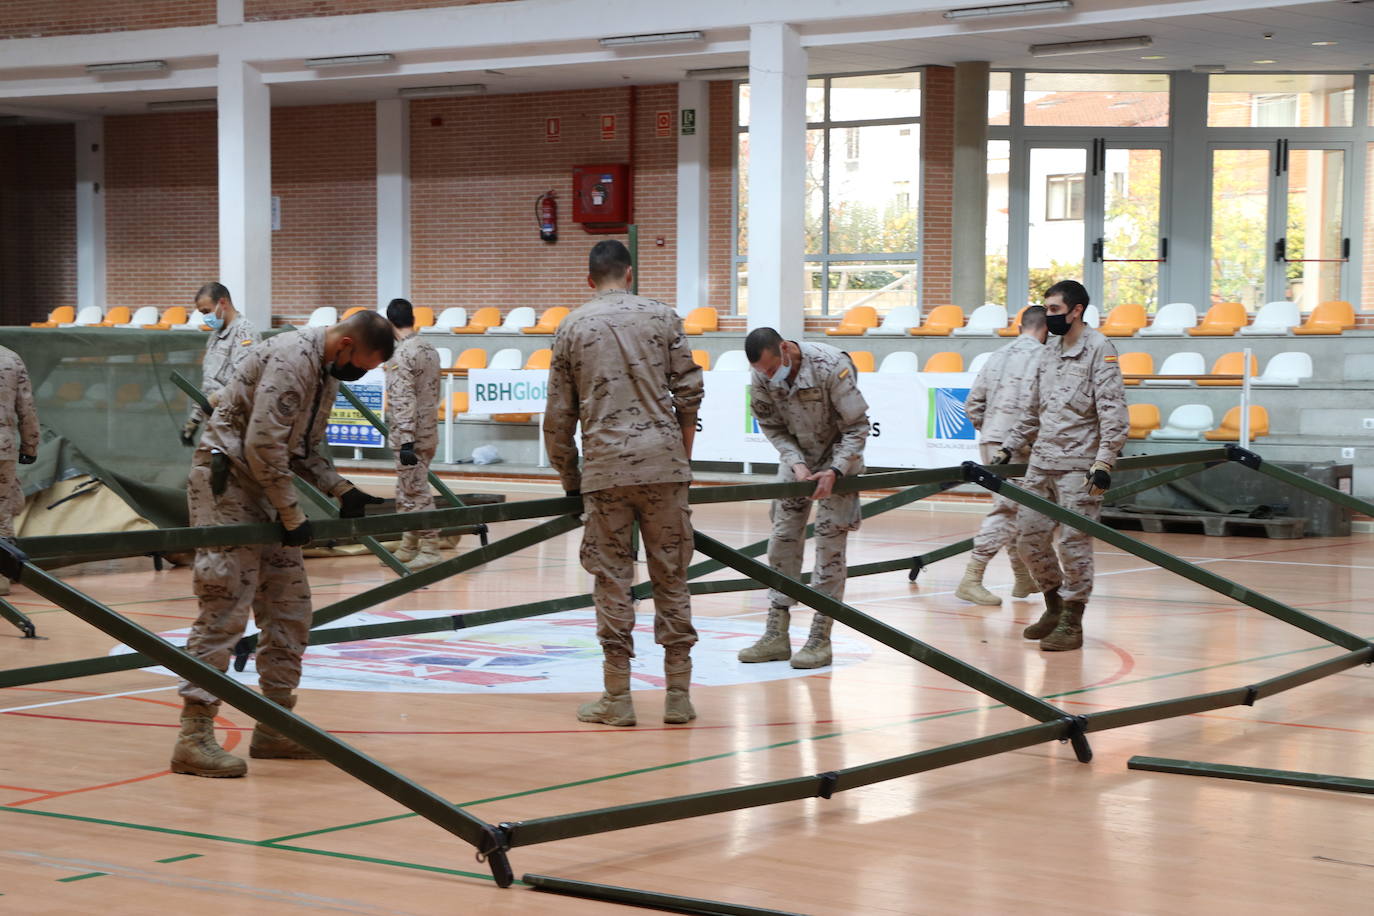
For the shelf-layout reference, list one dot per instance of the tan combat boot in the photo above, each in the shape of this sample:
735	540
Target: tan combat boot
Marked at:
197	753
4	586
774	645
1048	620
1023	586
615	706
816	652
677	669
428	555
273	745
1069	634
410	545
971	589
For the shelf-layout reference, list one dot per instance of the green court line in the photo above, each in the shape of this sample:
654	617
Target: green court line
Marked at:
189	855
89	874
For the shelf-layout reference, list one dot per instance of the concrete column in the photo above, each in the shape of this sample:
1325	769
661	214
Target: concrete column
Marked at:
245	189
229	12
1187	275
777	168
693	197
393	200
970	183
90	213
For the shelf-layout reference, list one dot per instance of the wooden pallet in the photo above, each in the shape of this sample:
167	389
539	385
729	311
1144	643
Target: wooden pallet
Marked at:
1213	524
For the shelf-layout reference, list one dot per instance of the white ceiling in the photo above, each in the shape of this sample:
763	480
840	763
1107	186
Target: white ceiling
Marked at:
1234	39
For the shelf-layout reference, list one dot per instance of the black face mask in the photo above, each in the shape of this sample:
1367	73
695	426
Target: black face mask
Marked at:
346	372
1057	324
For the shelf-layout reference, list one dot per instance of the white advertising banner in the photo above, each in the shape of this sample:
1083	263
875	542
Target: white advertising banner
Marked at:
917	419
507	390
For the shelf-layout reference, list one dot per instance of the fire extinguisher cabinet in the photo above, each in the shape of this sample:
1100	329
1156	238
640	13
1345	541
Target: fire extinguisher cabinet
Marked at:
601	197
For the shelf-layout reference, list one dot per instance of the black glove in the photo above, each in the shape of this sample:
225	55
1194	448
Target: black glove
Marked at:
408	456
27	459
188	432
572	492
1001	456
354	503
298	537
1099	478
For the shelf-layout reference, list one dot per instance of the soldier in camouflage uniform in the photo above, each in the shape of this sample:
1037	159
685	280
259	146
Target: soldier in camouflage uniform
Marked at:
412	406
267	427
1075	424
18	440
995	404
806	400
621	366
231	337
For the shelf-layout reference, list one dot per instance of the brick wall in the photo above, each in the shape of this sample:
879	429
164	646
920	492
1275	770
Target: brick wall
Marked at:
721	164
324	169
37	221
937	187
264	10
479	164
161	207
34	18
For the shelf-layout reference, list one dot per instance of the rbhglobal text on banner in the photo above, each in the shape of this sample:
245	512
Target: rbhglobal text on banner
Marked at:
510	391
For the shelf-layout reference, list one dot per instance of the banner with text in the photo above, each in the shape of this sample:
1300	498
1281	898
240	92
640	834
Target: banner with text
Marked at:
347	426
916	420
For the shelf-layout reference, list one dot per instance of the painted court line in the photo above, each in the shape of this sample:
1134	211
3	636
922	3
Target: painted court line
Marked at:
102	696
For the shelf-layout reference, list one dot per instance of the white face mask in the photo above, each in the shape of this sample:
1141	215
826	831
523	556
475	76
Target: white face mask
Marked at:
778	380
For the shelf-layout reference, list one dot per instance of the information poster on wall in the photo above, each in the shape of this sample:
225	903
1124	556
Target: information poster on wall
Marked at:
347	425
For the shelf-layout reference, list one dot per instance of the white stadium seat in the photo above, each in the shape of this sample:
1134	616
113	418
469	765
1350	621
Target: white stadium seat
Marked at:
1187	422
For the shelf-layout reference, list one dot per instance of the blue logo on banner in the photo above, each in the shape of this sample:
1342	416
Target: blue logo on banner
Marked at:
947	417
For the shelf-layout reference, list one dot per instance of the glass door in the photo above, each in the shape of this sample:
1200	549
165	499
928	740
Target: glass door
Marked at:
1094	213
1278	223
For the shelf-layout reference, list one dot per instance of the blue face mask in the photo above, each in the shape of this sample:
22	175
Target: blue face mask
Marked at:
214	321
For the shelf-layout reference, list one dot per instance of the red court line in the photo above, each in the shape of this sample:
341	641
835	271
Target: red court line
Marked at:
1271	553
23	789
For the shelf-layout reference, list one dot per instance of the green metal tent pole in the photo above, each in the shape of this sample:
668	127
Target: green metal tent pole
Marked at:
648	899
1331	494
322	502
416	798
891	637
821	785
1160	558
1126	490
18	618
1253	774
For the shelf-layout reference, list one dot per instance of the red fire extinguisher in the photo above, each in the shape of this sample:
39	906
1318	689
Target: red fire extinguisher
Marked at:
546	212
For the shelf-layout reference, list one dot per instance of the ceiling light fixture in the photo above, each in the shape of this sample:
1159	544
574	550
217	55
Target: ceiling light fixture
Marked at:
130	66
657	38
1009	9
183	105
351	60
1092	46
1265	61
719	73
1323	44
435	92
1153	57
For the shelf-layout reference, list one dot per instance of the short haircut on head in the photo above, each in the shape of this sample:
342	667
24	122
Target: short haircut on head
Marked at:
370	331
215	292
609	259
401	313
1033	318
761	341
1071	291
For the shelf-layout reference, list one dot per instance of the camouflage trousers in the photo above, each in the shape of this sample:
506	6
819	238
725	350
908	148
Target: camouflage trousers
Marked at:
999	526
11	497
836	516
665	525
268	578
412	487
1072	570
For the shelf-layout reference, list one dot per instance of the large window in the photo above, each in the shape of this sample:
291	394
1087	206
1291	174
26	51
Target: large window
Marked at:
1096	100
1280	100
862	193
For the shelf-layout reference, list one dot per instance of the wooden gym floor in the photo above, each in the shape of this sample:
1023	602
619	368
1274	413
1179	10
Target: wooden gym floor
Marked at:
92	822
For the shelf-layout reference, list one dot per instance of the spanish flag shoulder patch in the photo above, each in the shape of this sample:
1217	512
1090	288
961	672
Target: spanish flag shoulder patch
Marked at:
1110	359
844	373
245	343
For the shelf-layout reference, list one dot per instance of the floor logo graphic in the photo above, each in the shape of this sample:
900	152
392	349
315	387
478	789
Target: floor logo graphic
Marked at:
946	416
557	653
